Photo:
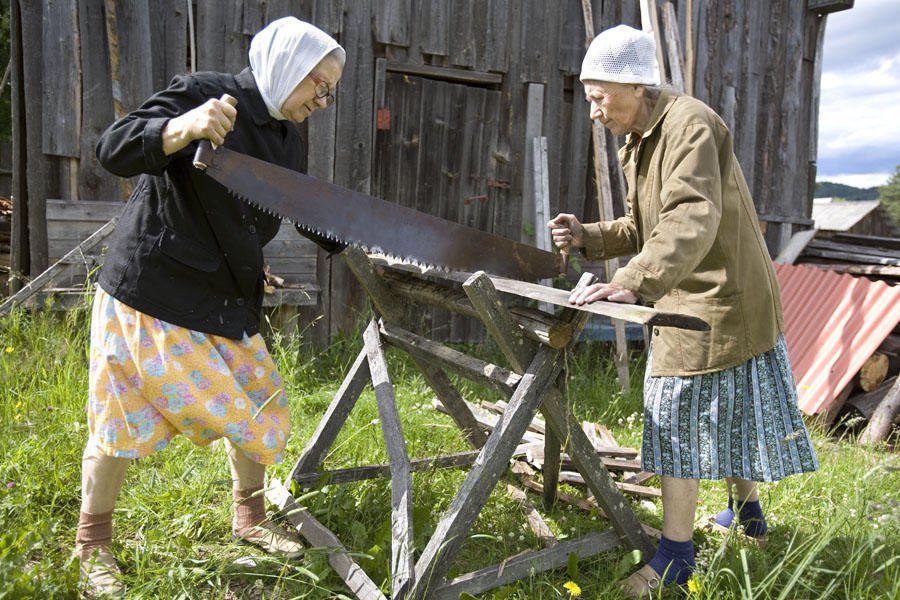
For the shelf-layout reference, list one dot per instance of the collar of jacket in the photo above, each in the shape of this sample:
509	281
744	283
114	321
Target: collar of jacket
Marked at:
258	109
667	98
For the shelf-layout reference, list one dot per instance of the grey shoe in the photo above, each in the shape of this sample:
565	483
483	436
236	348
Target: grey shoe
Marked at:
100	577
272	539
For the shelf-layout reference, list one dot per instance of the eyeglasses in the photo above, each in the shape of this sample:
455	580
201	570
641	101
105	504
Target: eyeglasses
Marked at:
323	91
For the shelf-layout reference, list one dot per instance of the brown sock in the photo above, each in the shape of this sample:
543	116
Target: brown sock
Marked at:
249	509
94	531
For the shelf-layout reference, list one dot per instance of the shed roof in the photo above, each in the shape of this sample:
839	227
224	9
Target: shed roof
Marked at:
833	323
841	216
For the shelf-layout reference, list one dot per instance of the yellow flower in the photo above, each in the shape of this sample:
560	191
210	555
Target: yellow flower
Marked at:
10	349
573	588
693	585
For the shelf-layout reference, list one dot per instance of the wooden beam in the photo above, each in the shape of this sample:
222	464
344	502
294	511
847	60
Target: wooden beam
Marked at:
524	565
334	418
319	536
351	474
498	321
402	566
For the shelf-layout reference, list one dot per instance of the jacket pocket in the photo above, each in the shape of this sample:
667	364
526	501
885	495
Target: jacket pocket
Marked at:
188	253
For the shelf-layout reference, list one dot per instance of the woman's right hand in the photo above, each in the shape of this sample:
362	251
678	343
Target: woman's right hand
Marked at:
211	121
566	230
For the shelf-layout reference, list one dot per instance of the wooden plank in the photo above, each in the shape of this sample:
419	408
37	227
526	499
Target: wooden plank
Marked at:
673	46
434	25
536	523
488	421
220	43
168	38
465	16
524	565
319	536
498	321
445	73
39	282
594	473
392	21
402	565
39	177
790	253
61	107
352	474
883	419
19	254
334	418
472	495
534	125
94	182
473	368
128	29
626	312
892	254
550	469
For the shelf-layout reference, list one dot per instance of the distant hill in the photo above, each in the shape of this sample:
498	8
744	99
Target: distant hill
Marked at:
826	189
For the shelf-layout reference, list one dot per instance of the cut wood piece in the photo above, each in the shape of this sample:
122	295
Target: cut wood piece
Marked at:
602	450
884	418
537	425
319	536
873	371
794	249
868	402
642	491
487	420
626	312
535	521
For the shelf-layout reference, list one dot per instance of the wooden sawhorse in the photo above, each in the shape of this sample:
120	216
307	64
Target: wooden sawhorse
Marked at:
533	343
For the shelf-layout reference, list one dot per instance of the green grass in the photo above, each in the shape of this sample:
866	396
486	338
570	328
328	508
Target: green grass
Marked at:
834	533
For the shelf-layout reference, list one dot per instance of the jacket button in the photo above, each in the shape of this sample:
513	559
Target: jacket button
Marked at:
251	229
655	329
240	301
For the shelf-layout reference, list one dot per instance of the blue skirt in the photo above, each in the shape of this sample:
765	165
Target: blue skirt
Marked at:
740	422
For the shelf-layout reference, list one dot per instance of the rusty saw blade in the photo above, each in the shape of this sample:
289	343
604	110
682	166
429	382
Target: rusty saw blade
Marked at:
374	225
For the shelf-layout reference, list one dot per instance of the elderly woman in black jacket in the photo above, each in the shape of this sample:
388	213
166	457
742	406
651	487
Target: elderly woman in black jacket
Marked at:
175	343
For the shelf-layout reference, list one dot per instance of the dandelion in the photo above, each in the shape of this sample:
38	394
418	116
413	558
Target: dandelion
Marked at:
693	585
573	588
10	349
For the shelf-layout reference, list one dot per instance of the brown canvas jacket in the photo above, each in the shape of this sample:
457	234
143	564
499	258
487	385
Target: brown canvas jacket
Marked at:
693	225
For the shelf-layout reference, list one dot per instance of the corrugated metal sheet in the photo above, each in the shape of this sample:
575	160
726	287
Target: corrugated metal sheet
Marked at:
833	323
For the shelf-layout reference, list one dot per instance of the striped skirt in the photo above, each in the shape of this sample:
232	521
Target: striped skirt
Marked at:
741	422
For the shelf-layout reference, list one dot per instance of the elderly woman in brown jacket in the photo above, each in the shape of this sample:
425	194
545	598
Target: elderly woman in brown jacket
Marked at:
719	404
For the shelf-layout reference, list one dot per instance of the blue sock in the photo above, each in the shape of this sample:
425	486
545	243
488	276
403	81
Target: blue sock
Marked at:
752	519
726	517
674	561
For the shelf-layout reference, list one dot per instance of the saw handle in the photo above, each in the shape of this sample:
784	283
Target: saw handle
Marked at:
564	260
204	155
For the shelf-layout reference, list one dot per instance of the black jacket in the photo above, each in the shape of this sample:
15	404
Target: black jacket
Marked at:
185	250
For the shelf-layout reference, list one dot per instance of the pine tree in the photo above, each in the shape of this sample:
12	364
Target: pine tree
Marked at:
890	194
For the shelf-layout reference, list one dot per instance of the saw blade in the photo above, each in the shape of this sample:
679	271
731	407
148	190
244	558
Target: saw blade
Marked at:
375	225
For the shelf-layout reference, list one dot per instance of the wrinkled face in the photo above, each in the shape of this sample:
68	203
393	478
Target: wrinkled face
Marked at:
618	106
303	101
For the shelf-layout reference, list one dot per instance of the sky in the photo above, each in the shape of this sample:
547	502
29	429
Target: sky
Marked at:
859	110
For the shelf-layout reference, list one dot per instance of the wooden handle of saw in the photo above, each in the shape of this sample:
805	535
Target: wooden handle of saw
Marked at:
564	260
204	154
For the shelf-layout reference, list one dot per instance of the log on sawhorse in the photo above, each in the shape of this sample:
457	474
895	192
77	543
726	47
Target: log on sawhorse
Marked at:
531	383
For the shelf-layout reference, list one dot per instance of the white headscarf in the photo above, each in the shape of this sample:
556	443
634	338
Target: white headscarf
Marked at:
282	54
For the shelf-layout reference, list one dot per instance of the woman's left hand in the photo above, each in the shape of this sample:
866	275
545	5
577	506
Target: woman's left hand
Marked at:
602	291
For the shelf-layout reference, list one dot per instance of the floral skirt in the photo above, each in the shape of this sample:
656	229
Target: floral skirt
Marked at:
151	380
741	422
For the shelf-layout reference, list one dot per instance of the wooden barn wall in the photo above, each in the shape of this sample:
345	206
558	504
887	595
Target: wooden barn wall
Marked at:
436	109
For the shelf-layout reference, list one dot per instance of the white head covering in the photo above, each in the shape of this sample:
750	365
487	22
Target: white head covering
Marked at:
621	54
282	54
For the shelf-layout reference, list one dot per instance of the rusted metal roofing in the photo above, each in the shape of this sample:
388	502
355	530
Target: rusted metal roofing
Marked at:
833	323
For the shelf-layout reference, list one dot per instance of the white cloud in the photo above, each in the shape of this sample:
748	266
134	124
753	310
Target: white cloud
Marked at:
860	180
859	111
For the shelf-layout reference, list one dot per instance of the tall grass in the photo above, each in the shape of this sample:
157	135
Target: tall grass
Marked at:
833	533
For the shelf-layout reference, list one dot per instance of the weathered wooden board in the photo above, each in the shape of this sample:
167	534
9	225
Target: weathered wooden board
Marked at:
168	38
62	84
